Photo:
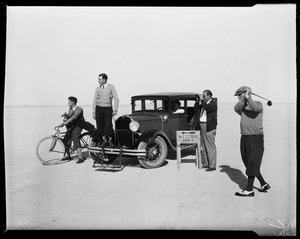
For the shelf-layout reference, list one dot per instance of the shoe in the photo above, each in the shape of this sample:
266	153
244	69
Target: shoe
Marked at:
210	169
245	193
264	188
80	160
204	166
68	157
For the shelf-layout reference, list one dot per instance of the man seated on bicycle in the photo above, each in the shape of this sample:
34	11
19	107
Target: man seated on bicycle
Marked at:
74	121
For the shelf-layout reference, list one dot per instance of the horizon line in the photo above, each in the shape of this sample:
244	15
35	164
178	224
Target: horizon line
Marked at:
89	105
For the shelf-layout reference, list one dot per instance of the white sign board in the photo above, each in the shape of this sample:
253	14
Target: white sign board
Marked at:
188	137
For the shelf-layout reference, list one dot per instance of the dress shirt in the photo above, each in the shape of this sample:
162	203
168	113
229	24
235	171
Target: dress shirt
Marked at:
203	115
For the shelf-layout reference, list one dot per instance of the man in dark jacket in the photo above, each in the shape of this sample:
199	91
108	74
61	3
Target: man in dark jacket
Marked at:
74	121
206	108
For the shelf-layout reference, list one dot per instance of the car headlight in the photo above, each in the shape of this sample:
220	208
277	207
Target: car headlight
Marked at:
164	118
134	126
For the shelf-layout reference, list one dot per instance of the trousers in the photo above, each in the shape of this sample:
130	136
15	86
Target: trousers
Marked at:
252	149
73	134
209	152
104	120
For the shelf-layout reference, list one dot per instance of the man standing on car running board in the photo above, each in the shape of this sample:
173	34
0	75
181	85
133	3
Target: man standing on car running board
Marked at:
103	110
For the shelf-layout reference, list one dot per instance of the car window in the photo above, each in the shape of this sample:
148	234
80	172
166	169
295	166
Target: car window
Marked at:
149	105
191	103
137	105
153	105
159	105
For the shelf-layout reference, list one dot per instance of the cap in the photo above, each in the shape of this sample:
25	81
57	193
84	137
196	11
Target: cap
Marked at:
241	90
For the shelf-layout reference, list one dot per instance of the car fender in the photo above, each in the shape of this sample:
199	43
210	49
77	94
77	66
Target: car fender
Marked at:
151	135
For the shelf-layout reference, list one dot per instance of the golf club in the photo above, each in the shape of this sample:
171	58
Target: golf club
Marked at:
269	103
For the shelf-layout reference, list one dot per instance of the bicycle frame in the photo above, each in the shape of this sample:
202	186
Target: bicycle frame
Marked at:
55	137
60	135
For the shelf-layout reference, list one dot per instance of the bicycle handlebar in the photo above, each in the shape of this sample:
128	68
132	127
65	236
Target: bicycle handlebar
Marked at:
56	128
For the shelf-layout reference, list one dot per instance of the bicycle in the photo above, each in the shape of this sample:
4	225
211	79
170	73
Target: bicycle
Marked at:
52	149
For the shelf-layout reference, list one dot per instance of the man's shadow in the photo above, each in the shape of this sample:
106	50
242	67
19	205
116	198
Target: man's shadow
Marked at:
236	176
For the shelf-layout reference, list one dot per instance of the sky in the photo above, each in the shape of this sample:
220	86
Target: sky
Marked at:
56	52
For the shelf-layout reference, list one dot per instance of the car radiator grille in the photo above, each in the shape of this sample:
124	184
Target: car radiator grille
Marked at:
124	134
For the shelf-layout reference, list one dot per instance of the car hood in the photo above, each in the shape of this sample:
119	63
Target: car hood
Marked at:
147	121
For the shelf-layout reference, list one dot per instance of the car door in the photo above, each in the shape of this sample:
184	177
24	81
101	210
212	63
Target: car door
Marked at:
173	123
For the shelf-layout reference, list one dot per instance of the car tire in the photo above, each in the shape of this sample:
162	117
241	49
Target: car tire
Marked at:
156	150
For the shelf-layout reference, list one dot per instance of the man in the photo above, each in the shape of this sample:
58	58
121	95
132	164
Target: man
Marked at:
252	139
103	110
73	121
206	108
176	107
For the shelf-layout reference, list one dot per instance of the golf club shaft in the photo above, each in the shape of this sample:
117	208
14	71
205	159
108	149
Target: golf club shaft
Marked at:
260	96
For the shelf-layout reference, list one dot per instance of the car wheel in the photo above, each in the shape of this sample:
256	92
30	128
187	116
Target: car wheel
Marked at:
156	153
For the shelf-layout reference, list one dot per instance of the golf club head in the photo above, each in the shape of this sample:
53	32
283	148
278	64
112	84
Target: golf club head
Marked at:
269	103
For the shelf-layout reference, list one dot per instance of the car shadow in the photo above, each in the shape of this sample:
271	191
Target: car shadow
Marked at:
236	176
120	163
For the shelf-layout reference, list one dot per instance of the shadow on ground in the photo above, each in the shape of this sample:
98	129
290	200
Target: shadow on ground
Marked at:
120	163
235	175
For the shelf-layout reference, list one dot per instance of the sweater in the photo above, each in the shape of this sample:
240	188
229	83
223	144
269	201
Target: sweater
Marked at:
104	96
251	117
75	116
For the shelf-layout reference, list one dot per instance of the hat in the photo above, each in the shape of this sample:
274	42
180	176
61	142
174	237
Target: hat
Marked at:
241	90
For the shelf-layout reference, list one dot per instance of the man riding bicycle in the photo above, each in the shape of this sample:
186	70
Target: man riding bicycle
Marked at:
74	122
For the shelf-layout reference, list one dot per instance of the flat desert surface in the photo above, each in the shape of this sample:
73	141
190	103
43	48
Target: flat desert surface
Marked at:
80	196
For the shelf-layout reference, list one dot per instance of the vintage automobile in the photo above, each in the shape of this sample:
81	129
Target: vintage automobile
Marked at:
150	130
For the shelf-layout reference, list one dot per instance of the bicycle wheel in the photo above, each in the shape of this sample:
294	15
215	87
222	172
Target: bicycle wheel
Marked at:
50	150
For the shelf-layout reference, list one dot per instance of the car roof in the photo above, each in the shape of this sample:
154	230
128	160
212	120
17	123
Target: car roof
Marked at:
167	95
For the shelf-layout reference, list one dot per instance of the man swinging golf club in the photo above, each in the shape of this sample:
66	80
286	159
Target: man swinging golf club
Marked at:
252	139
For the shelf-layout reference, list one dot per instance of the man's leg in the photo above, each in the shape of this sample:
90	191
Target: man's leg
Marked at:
255	150
204	154
76	141
101	122
108	128
259	150
67	141
252	151
250	160
211	149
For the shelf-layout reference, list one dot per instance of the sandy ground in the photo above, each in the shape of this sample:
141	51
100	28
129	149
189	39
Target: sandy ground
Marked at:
80	196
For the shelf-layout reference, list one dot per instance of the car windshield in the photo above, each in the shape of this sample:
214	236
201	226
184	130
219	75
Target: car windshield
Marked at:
148	105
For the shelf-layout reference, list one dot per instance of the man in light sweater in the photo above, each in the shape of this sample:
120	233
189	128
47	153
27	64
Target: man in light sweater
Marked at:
252	139
104	109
